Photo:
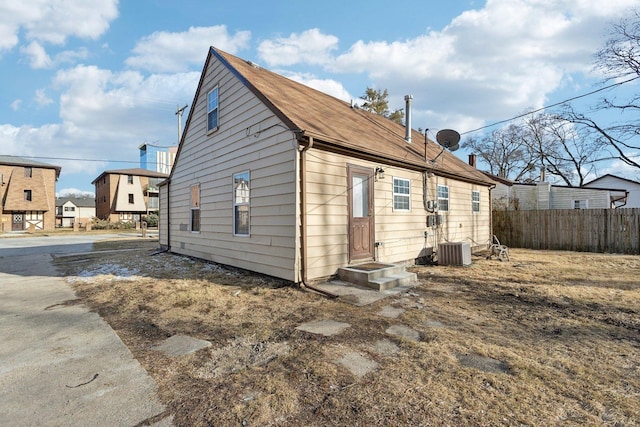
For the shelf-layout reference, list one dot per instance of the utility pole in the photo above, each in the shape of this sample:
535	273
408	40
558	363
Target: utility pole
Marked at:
179	114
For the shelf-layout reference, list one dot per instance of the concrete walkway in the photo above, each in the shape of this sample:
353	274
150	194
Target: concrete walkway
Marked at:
61	364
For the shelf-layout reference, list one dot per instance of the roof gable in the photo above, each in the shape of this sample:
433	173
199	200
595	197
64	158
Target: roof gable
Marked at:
614	178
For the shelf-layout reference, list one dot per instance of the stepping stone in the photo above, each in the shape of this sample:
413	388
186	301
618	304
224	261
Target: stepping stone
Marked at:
482	363
389	311
404	332
324	327
180	345
357	364
435	324
385	347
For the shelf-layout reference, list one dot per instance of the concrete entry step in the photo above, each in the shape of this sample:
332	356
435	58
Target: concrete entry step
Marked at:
378	276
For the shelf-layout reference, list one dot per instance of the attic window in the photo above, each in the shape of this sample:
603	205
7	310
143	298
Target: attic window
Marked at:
212	110
28	172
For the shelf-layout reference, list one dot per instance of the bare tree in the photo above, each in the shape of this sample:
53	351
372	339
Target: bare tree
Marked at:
619	60
564	150
506	152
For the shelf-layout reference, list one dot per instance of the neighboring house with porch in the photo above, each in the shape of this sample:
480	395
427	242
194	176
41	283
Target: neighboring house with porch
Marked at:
278	178
27	194
70	210
612	181
127	195
510	195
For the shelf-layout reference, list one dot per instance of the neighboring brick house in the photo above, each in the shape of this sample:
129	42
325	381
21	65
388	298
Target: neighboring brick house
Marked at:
127	194
27	194
74	209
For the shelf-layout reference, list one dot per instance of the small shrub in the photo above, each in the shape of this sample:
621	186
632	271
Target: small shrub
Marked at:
152	220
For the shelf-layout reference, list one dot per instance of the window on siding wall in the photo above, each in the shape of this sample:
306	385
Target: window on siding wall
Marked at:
28	172
131	199
401	194
443	198
27	195
212	109
475	201
241	203
195	208
129	179
579	204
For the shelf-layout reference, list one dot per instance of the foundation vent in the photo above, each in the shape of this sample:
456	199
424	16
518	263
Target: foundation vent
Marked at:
454	253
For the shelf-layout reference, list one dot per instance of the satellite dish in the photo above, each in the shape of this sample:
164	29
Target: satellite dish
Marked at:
449	139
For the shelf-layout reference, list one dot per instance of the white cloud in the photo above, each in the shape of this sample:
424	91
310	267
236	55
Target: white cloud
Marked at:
329	86
53	21
176	52
36	55
622	169
489	63
42	99
105	116
310	46
15	105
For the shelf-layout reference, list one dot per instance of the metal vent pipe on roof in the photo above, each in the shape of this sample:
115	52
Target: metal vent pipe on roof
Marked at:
407	100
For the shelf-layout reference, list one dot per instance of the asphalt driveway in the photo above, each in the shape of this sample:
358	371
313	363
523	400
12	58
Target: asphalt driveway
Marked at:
61	364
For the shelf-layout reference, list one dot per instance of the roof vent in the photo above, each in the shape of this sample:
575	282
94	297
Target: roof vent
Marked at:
407	100
253	64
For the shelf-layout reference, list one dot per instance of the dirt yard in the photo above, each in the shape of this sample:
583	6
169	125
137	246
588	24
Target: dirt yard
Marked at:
547	339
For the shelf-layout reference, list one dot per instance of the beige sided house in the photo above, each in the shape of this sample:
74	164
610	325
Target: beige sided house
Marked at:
27	194
278	178
127	194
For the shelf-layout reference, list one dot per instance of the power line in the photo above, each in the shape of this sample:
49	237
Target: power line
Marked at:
552	105
73	159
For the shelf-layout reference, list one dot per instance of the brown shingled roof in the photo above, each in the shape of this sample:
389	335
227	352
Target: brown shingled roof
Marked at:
336	125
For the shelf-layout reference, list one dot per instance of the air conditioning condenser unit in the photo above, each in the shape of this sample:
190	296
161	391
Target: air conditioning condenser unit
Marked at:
454	253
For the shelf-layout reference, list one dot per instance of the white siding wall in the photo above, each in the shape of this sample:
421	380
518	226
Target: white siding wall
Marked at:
544	196
633	198
401	233
562	198
163	235
249	138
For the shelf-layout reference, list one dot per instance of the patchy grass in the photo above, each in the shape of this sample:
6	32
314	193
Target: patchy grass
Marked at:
550	338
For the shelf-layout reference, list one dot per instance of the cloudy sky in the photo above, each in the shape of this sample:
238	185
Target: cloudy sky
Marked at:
84	83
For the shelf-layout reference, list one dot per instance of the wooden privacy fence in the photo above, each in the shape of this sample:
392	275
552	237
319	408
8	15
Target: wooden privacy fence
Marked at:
584	230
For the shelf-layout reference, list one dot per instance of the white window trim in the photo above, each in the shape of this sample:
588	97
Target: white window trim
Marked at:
215	88
233	195
394	194
475	202
448	198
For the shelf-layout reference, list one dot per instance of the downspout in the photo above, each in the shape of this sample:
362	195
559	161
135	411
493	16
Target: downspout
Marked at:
303	221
